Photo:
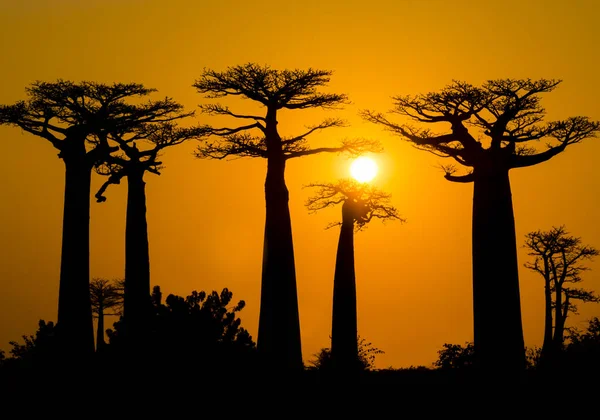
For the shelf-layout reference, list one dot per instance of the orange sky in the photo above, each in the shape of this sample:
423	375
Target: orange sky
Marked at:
206	218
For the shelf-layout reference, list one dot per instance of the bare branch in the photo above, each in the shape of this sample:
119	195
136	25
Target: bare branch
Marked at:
354	147
240	145
217	109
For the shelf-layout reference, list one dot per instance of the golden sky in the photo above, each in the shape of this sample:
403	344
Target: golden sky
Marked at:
206	218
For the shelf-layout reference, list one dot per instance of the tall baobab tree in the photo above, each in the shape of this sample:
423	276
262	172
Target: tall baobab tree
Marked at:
107	300
75	118
559	258
361	203
506	113
275	90
133	162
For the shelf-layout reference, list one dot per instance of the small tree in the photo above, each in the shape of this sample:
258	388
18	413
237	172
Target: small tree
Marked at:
490	130
107	300
76	119
133	162
560	259
275	90
361	203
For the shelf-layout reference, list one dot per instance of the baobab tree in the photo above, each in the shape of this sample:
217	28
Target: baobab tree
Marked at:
107	300
560	259
361	203
133	162
76	119
506	113
275	90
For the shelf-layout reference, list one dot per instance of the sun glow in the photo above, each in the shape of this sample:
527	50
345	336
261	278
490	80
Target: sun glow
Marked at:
363	169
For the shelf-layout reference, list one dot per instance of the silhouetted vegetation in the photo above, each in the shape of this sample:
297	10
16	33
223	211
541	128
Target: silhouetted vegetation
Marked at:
93	126
107	300
275	90
366	354
77	119
139	146
508	114
201	329
361	203
560	259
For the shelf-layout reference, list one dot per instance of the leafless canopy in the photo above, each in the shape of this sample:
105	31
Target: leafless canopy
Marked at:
56	110
375	202
560	258
107	296
506	112
275	90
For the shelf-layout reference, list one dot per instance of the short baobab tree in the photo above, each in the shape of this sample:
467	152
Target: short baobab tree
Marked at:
139	151
560	259
76	119
107	300
492	129
274	90
361	203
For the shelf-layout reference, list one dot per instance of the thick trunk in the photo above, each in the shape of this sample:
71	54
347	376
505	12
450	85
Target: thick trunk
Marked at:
100	343
279	324
75	324
498	331
344	333
137	303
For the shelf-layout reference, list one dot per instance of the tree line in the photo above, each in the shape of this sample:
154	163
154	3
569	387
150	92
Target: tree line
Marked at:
489	130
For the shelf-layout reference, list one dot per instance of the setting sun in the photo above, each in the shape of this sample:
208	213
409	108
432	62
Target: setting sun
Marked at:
363	169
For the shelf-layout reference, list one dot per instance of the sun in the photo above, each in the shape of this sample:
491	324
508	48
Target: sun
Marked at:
363	169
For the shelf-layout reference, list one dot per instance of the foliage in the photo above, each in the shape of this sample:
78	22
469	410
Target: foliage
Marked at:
36	350
200	328
366	356
455	356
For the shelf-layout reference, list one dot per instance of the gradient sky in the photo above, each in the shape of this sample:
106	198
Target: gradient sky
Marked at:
206	218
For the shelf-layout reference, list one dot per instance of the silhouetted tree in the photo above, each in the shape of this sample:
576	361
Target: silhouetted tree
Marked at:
107	300
133	162
507	113
37	351
455	356
76	119
201	329
279	325
559	258
360	204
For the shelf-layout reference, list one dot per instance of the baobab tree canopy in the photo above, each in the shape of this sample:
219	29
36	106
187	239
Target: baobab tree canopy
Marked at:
506	112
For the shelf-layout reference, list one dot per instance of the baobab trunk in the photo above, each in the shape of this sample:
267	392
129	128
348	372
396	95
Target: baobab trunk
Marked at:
498	331
560	318
75	326
547	343
279	325
344	332
137	302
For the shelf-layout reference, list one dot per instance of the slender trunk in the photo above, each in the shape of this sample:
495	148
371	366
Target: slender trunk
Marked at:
559	326
75	326
279	324
498	331
100	343
547	343
344	333
137	302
